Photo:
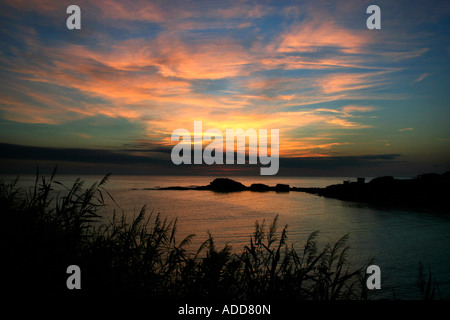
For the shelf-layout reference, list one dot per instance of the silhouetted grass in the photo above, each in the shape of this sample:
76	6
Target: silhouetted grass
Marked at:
43	232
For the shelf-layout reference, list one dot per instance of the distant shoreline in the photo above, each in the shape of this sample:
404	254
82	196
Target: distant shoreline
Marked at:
426	191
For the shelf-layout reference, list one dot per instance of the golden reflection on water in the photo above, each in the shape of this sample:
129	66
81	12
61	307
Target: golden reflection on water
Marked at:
398	240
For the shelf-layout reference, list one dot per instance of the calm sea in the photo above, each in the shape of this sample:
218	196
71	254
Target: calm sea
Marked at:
397	240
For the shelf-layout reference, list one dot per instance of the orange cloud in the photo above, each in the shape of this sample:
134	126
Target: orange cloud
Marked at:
132	10
346	123
312	36
341	82
353	108
208	59
154	80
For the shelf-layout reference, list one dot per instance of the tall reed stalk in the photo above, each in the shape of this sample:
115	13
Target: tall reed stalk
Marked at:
44	231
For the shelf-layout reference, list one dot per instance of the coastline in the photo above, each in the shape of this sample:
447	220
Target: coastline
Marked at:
424	192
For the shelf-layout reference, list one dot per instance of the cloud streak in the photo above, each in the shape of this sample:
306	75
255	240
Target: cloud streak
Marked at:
231	64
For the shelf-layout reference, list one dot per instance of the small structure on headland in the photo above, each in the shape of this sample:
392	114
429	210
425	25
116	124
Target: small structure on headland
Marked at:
359	180
426	191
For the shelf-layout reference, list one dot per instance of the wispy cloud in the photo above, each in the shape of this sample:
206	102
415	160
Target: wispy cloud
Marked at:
422	76
316	35
357	109
297	67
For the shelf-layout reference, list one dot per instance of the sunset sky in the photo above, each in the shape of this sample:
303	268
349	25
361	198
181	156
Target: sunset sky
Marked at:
107	97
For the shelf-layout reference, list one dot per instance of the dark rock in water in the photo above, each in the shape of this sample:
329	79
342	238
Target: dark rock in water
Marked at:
282	187
425	192
260	187
226	185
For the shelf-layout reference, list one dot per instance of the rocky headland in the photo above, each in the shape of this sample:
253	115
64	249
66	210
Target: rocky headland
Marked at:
426	191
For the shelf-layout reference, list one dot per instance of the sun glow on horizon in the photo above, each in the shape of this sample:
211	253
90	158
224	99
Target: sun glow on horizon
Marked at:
135	73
